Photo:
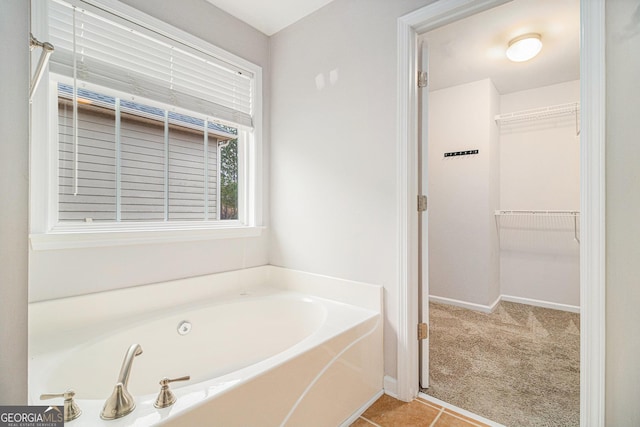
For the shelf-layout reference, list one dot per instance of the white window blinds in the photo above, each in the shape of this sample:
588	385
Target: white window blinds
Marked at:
115	53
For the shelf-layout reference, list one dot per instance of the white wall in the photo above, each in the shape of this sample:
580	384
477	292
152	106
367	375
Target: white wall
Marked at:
540	160
14	190
333	158
526	166
622	211
540	170
463	193
60	273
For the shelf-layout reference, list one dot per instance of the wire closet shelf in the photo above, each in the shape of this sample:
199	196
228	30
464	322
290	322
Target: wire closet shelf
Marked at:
539	113
537	212
542	213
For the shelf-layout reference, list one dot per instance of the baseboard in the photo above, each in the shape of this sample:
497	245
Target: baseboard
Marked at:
507	298
539	303
465	304
352	419
391	386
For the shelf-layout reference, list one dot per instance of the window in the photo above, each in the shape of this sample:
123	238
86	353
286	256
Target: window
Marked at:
134	162
152	129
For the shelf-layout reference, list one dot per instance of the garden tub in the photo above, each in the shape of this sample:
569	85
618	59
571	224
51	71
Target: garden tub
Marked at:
262	346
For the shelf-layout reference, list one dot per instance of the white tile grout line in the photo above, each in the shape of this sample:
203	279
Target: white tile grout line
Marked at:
370	422
460	411
450	412
433	423
467	420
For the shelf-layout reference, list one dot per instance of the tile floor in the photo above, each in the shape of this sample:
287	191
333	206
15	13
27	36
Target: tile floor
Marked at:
390	412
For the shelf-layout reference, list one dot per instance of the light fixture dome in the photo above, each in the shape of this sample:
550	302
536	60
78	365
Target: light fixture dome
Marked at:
524	47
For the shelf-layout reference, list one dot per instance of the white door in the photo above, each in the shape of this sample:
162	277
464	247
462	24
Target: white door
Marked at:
423	217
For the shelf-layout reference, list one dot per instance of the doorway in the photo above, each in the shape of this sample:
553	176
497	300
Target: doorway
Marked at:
503	189
591	184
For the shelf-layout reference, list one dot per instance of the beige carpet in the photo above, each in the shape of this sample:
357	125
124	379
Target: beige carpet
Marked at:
519	366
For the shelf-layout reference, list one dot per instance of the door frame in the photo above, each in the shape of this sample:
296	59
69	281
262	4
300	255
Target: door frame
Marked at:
592	195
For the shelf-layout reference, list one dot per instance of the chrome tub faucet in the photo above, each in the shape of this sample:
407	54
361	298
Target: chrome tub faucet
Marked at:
121	403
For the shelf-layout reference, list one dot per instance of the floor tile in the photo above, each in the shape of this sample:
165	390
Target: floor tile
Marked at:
426	402
390	412
471	420
448	419
361	422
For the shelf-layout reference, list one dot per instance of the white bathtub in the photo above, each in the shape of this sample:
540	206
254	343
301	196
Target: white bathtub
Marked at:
267	347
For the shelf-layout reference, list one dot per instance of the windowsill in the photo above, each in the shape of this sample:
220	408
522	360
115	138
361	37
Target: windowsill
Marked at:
75	238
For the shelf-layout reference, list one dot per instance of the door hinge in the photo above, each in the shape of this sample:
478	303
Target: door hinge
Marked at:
423	331
422	203
423	79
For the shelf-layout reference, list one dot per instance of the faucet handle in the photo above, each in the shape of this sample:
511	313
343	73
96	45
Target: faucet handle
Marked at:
166	397
166	381
71	408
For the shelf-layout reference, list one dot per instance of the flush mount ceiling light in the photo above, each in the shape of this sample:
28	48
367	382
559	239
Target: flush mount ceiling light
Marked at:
524	47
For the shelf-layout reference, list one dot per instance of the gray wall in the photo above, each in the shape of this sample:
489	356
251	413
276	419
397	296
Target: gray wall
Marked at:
622	211
14	191
333	159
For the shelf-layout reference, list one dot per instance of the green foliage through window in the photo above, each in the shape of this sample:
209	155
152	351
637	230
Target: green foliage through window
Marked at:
229	180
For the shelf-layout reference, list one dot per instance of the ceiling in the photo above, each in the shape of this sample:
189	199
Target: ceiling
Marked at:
269	16
474	48
466	50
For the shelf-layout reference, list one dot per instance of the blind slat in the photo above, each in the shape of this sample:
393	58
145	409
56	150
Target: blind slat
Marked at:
125	58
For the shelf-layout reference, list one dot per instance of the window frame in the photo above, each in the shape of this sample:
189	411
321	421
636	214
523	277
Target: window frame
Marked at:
45	230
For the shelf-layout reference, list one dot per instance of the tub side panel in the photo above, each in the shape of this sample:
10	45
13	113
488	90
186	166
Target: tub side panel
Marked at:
346	385
268	399
263	401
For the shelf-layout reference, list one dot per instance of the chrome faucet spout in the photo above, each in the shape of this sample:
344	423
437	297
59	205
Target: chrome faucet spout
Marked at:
121	403
127	363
